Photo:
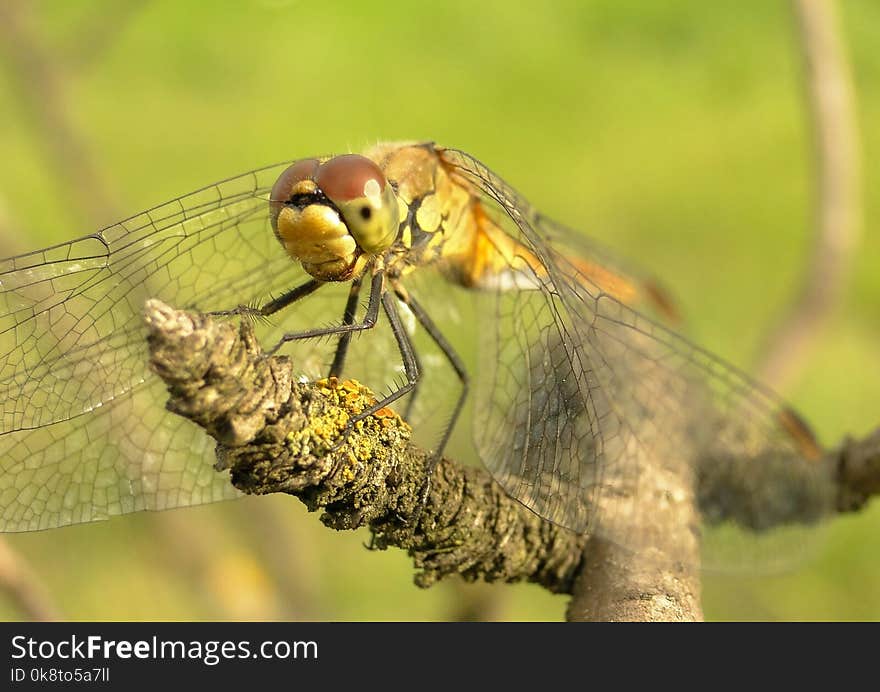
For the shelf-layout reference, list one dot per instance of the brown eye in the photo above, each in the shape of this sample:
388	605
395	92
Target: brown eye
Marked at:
366	213
347	177
301	170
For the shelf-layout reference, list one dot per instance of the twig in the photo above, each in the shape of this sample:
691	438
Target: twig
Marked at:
475	603
40	86
23	588
838	189
660	581
295	582
105	26
617	585
278	435
858	463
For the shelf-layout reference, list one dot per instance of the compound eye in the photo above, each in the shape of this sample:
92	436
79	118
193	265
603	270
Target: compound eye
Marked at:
350	176
358	189
283	187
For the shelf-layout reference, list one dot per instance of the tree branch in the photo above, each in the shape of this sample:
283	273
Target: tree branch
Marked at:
276	434
41	83
837	215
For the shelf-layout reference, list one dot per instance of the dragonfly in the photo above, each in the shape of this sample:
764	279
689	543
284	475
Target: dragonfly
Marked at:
356	261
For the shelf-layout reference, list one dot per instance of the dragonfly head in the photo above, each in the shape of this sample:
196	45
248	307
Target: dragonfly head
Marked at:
328	215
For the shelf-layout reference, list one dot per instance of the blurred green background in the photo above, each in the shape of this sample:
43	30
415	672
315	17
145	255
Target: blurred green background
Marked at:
675	132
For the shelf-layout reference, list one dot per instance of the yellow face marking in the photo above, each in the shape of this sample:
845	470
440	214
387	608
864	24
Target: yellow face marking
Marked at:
329	214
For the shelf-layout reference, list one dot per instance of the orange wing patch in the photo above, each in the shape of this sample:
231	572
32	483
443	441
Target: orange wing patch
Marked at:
497	259
804	438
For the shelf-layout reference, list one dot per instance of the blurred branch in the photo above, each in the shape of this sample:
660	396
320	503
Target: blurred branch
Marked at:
838	192
40	83
660	581
475	603
23	588
106	24
858	464
616	585
295	582
189	553
41	89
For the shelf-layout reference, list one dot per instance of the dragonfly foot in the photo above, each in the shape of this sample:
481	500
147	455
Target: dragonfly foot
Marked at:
343	436
242	310
422	503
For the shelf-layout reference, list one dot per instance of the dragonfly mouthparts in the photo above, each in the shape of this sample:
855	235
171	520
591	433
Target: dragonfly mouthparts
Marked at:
303	199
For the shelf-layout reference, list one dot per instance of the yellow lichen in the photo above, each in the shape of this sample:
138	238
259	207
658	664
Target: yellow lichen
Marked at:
348	398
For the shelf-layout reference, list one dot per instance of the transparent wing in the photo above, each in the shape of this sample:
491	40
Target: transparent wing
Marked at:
586	407
635	286
84	434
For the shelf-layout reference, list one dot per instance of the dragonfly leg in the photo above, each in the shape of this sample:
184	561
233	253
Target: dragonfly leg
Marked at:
407	354
454	360
410	403
345	337
369	321
458	365
410	367
275	304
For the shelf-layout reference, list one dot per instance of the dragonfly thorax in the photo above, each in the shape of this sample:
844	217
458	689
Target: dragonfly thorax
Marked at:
332	216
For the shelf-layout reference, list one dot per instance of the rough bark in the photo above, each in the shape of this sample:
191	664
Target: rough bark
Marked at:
277	434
